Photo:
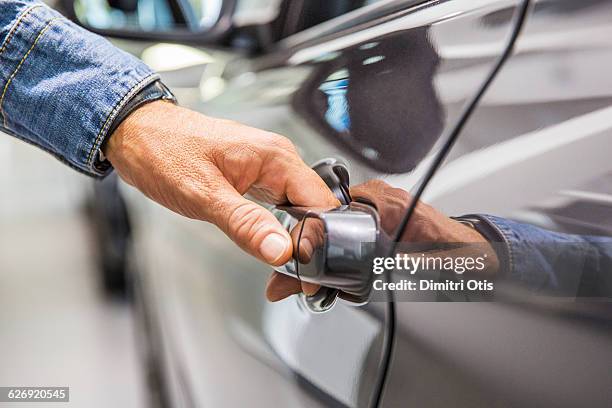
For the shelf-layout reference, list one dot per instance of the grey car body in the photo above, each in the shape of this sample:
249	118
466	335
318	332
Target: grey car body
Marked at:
383	88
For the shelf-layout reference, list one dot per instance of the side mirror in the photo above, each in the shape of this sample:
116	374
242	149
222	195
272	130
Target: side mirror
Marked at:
187	21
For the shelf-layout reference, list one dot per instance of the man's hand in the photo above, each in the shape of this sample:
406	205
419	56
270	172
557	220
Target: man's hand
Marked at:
200	167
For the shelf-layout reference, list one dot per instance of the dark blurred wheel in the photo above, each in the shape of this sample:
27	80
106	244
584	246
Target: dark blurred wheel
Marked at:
108	217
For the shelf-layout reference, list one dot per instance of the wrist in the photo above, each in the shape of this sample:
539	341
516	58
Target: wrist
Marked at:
129	144
152	93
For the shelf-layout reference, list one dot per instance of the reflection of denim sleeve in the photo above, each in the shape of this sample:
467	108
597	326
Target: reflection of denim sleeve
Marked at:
542	260
61	86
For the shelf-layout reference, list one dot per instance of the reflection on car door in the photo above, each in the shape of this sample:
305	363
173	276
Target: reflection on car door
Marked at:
536	150
377	94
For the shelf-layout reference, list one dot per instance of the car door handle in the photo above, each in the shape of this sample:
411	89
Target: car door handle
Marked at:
334	246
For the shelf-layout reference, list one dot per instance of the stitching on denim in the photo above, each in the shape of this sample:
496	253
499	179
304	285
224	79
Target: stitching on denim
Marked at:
507	241
16	26
509	245
12	76
112	114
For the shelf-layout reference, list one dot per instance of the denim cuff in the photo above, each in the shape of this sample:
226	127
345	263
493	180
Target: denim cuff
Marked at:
547	261
61	86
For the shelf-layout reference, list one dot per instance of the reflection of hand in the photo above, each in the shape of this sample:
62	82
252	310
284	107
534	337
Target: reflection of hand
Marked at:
200	167
428	226
311	239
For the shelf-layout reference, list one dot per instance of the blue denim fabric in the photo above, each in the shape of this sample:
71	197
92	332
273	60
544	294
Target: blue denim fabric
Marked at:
61	86
561	264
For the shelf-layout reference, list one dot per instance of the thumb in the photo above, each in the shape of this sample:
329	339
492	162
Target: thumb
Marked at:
251	226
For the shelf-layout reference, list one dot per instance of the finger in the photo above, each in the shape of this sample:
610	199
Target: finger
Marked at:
310	288
311	240
312	232
371	191
391	203
281	286
305	188
250	226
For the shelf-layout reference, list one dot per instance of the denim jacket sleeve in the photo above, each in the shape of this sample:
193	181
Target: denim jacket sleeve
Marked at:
551	262
60	85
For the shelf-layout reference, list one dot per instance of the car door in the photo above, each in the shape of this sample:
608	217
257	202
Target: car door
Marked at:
536	150
378	88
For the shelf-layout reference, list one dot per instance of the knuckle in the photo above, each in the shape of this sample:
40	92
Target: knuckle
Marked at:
283	143
229	123
370	187
378	184
401	194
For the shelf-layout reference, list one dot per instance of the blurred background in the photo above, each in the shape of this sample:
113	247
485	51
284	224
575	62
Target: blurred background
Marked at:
57	327
62	324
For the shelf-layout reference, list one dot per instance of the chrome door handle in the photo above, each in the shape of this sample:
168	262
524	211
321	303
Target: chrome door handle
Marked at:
334	245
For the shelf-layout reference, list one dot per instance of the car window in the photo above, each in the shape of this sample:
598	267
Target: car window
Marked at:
300	16
148	15
318	11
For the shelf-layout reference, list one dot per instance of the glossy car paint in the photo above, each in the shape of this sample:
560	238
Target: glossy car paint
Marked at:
409	74
380	88
536	150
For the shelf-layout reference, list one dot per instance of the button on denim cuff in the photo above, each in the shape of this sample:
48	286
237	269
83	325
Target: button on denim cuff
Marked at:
60	85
